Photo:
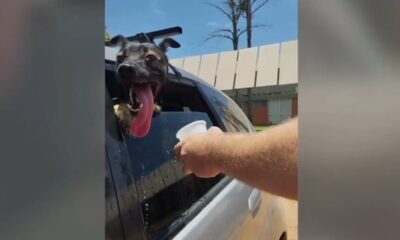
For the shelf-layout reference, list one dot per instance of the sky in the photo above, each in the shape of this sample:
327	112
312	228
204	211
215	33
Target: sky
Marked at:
198	19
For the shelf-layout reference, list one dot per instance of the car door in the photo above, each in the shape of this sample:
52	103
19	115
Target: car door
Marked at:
157	200
113	226
238	211
147	177
122	202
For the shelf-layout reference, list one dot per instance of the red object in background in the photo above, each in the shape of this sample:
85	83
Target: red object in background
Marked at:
260	115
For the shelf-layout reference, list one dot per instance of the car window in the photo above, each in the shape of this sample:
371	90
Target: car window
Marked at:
230	113
279	110
165	192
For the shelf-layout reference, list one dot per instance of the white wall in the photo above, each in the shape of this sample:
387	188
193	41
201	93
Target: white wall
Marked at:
246	68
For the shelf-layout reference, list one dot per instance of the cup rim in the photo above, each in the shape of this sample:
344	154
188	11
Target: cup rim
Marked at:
190	125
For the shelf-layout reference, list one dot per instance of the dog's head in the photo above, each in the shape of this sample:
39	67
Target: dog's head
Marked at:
142	68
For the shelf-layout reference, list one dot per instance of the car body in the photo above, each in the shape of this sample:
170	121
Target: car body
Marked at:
147	194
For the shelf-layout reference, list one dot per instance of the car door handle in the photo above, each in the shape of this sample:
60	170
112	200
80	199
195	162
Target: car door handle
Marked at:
254	201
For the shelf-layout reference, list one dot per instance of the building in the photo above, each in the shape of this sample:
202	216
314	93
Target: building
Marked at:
262	80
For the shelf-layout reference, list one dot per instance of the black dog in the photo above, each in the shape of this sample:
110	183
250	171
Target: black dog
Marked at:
142	70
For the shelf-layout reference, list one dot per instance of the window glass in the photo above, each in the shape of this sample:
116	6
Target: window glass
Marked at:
285	106
273	106
279	110
274	118
165	191
232	116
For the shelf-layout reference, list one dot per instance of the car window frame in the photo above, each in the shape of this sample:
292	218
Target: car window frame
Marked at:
113	225
202	88
211	110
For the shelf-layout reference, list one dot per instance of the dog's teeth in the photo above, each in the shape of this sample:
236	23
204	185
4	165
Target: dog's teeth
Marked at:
137	109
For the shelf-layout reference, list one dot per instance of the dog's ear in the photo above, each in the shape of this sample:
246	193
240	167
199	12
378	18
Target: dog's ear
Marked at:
119	40
168	42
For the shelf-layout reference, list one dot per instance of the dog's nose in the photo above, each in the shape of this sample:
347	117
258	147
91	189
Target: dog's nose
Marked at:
126	71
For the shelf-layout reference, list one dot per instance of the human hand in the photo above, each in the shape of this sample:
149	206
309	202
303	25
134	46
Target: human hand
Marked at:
198	153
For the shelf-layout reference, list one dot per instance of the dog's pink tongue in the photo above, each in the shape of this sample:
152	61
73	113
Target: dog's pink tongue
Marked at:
142	122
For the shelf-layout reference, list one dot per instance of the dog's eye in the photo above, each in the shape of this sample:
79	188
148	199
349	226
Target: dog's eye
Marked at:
150	58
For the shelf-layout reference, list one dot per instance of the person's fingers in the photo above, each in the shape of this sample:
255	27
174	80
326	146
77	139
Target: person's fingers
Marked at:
178	145
186	170
215	130
177	149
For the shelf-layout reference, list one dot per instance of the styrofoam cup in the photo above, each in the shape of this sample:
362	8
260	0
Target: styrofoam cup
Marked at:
191	129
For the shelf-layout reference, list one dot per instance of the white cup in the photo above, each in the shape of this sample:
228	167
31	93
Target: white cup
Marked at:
191	129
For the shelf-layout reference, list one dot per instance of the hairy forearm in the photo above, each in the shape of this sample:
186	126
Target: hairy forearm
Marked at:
266	160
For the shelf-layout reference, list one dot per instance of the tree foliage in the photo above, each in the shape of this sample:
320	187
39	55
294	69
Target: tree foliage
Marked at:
107	36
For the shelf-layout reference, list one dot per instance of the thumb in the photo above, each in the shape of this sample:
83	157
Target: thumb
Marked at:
177	148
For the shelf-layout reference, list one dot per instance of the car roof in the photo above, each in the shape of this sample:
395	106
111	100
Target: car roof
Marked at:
111	54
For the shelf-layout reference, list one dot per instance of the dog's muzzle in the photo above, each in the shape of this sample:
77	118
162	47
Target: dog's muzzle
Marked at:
127	71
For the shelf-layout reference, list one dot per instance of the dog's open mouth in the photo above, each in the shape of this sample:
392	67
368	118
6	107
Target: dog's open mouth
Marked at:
141	101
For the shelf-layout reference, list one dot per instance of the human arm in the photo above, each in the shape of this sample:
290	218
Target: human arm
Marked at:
266	160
